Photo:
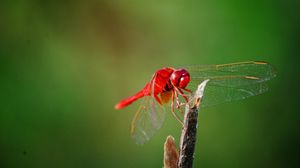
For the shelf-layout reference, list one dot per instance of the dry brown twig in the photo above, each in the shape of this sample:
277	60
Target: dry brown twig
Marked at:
188	135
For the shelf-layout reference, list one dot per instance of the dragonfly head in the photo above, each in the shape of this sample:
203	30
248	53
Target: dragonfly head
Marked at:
180	78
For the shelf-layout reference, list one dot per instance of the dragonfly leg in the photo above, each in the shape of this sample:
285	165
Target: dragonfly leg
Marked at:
174	94
182	94
173	100
182	104
178	104
177	118
187	90
157	99
180	110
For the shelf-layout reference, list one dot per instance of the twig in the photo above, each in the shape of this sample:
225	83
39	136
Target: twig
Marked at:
189	131
188	135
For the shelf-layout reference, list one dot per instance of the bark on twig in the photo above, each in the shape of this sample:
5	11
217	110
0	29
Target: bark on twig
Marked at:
188	136
189	131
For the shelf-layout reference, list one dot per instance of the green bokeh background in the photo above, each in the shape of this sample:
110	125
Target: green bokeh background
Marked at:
64	65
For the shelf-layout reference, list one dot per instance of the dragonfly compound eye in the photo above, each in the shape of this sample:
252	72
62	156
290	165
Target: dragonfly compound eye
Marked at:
180	78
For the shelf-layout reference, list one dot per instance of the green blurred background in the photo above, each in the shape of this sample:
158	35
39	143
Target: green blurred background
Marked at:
64	65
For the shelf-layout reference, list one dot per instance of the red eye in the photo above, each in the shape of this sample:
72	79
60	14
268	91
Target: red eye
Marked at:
180	78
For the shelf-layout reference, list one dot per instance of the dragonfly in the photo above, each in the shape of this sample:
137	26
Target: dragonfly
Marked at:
174	86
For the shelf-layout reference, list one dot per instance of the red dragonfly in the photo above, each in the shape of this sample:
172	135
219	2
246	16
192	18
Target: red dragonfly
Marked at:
227	82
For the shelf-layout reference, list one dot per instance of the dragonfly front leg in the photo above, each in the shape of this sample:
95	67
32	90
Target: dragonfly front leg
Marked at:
174	94
187	90
182	94
173	101
178	104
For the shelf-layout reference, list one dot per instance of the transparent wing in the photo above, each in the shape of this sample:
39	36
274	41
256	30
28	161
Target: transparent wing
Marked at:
147	120
230	82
